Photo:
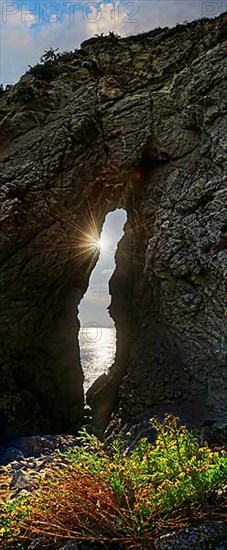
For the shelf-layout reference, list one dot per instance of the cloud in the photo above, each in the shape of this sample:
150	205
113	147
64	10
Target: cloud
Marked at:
25	34
111	16
126	18
15	37
24	39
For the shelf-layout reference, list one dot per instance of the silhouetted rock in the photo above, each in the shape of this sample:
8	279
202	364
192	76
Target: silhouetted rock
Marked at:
138	123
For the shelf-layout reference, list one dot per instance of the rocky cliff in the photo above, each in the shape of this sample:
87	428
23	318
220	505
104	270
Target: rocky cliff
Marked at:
138	123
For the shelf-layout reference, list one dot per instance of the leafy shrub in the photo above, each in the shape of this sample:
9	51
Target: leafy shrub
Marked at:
66	56
49	55
44	71
24	93
107	495
56	56
114	36
48	68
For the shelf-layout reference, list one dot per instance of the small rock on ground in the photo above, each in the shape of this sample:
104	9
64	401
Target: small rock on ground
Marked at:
208	536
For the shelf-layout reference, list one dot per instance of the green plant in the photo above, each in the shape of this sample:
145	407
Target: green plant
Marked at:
48	68
49	55
24	93
44	71
112	35
105	494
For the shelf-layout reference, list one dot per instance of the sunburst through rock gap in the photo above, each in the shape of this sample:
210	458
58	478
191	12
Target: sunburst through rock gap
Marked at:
97	336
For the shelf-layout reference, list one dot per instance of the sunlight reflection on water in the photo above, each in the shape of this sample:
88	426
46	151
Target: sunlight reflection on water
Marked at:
97	351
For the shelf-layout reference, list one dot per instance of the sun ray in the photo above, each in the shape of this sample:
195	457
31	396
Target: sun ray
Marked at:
84	242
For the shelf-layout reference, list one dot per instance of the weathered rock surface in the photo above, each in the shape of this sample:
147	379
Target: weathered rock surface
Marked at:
203	537
140	123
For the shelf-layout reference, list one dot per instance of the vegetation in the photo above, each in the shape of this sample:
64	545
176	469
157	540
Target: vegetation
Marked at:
4	90
109	495
25	93
47	68
111	36
44	71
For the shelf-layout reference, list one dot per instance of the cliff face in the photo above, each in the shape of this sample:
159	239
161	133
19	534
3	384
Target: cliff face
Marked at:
140	123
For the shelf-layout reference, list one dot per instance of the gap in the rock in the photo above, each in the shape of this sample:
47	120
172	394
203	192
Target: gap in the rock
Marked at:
97	335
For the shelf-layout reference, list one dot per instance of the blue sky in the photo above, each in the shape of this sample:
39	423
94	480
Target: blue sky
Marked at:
30	27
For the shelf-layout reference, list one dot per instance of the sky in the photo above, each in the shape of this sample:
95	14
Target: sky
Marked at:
28	28
93	308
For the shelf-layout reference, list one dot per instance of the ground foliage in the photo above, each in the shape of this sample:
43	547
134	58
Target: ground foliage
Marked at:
109	495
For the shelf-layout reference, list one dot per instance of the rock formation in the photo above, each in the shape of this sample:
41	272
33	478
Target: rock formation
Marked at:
139	123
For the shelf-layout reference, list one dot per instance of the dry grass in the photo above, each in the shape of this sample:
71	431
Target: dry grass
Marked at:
109	497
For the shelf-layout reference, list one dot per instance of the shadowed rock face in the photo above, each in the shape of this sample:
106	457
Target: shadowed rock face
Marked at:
140	123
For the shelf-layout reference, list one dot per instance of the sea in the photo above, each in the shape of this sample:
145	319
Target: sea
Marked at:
97	351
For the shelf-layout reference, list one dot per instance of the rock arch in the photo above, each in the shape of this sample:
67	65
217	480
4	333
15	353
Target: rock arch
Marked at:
146	132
